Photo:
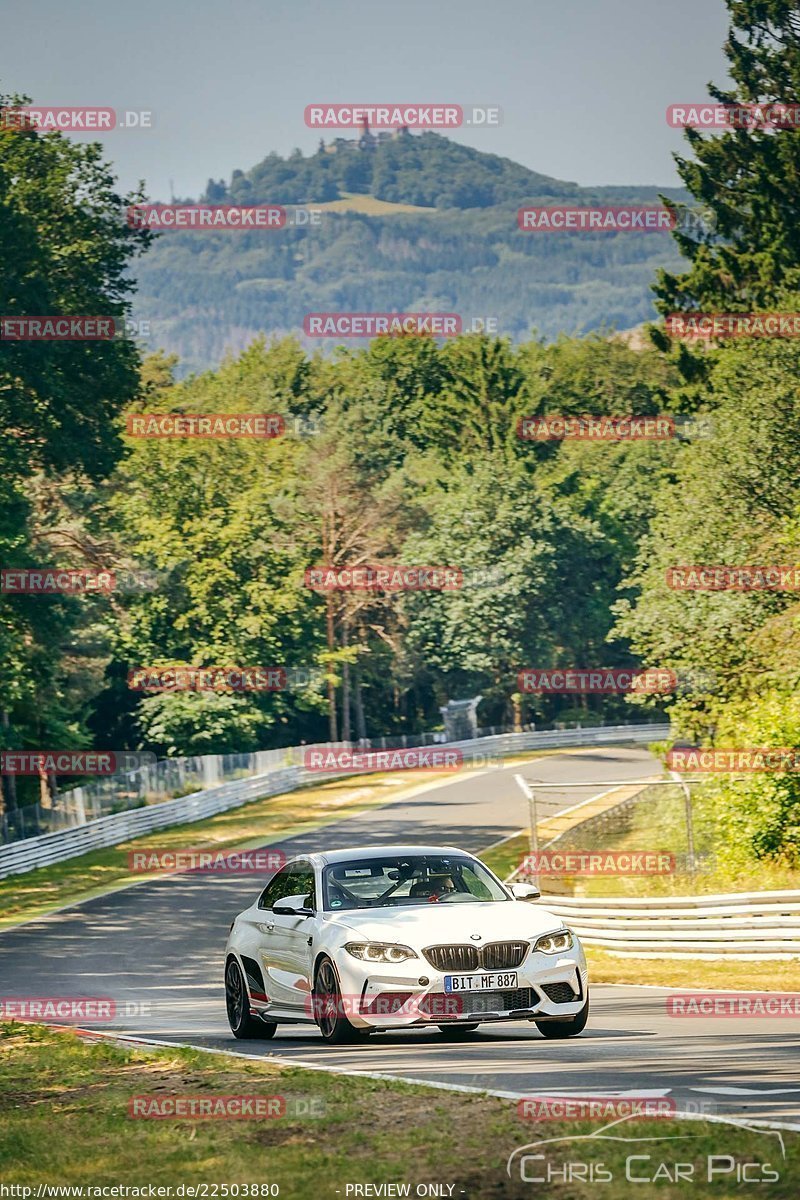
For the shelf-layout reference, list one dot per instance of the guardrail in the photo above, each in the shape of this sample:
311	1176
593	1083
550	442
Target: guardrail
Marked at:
548	739
48	848
19	857
151	783
738	925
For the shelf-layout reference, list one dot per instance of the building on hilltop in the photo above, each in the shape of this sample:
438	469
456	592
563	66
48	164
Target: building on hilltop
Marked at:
367	141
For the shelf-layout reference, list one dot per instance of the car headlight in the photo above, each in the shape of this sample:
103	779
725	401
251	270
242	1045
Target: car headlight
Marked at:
383	952
554	943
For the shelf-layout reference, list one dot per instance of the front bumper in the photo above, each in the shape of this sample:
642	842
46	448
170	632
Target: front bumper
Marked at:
548	987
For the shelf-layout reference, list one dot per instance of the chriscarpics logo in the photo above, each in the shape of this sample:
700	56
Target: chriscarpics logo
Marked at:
728	1153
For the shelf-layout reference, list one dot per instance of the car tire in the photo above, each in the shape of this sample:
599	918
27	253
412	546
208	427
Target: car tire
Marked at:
570	1027
329	1012
237	1004
459	1030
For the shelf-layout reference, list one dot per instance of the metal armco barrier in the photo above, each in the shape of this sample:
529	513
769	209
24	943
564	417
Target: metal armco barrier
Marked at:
548	739
740	925
19	857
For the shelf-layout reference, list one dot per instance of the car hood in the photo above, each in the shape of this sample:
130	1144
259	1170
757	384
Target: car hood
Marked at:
430	924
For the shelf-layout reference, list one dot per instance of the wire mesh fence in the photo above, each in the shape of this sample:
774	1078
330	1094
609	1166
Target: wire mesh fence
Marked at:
641	836
152	784
173	777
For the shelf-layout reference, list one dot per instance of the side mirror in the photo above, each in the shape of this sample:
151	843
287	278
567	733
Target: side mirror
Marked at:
525	891
292	906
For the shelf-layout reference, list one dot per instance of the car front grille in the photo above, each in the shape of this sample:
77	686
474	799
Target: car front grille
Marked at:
453	958
560	993
502	956
440	1006
496	956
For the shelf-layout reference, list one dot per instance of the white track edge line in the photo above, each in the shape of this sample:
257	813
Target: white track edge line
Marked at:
302	1064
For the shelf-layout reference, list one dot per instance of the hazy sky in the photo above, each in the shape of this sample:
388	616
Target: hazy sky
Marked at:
583	84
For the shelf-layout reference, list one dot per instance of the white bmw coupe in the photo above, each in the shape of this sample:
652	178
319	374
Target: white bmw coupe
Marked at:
393	937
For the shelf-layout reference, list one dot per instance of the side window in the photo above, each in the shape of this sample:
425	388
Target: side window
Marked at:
474	884
296	880
303	883
277	887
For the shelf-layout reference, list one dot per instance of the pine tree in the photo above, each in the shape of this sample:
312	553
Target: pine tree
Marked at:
749	179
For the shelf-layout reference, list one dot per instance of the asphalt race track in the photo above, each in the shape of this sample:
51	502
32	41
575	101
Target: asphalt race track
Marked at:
159	946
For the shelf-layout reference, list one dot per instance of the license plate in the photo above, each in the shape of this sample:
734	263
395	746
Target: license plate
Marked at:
491	981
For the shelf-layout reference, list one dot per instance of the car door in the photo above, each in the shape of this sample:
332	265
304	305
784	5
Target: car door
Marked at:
297	934
262	941
286	954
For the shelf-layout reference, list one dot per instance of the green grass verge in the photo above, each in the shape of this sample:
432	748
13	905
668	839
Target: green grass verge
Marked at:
694	973
65	1122
657	821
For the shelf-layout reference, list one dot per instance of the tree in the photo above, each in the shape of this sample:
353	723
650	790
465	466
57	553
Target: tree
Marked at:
490	524
221	524
735	500
65	249
354	499
758	817
747	178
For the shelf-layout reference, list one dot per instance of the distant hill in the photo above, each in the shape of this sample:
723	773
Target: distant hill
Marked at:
407	223
425	169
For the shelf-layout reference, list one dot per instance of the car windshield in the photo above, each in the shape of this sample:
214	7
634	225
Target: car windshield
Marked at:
408	879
